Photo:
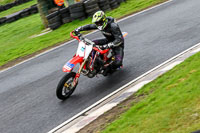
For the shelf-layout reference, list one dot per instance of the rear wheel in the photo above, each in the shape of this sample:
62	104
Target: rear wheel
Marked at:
65	87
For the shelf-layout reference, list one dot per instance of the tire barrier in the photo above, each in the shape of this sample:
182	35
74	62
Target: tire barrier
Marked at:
54	20
104	5
80	11
65	15
12	4
91	6
114	4
2	20
77	11
120	1
21	14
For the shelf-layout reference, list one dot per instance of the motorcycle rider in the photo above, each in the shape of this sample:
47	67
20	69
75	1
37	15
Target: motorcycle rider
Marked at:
113	38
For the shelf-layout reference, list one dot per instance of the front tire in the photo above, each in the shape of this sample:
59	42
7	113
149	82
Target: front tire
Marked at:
65	88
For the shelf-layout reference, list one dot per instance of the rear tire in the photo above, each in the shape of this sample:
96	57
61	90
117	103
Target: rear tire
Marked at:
63	92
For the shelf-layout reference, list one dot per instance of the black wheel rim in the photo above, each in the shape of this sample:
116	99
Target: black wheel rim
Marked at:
67	87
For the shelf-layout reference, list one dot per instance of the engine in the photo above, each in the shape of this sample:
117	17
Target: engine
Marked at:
92	68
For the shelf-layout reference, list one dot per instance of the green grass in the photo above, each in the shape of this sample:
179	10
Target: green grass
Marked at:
172	104
17	8
3	2
15	41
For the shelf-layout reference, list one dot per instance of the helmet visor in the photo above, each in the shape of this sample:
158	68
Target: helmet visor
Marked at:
99	23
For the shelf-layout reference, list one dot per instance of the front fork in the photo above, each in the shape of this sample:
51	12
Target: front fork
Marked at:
78	73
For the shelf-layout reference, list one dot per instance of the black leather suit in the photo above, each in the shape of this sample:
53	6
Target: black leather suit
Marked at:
113	35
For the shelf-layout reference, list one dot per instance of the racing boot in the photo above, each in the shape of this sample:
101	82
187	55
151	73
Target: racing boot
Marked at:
106	71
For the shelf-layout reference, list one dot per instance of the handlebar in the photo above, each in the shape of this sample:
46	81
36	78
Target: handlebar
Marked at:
79	37
88	42
76	37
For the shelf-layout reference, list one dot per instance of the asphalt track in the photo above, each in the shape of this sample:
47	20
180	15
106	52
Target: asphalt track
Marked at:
27	92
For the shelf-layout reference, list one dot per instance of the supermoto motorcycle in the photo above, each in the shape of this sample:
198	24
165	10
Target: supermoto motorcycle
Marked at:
91	59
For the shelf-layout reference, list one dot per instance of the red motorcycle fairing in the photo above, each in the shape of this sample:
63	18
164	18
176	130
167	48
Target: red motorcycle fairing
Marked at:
72	63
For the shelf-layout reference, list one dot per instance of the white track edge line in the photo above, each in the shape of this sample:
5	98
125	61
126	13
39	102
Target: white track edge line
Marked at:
95	114
197	50
1	71
121	88
169	67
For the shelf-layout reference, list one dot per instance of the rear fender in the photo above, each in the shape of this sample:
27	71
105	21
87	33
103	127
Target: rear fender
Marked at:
72	63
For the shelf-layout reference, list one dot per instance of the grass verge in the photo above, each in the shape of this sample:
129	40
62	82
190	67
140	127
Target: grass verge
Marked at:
171	103
3	2
17	8
15	39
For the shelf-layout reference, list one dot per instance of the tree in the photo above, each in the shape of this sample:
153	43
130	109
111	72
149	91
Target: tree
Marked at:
44	6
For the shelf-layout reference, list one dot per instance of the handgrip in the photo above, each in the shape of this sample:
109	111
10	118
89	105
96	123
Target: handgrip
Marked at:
76	37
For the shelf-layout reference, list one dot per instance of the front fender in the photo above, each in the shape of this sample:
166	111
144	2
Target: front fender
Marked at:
72	63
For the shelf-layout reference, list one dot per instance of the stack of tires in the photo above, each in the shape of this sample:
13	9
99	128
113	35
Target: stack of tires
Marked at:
114	4
33	9
8	6
54	20
17	15
104	5
13	17
91	6
1	8
2	20
12	4
18	2
77	11
65	15
80	11
120	1
10	18
25	12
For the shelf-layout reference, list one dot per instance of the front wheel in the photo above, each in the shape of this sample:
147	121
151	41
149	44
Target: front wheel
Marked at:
65	87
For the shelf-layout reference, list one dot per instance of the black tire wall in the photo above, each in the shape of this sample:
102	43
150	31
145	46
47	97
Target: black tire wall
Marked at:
21	14
12	4
79	11
84	9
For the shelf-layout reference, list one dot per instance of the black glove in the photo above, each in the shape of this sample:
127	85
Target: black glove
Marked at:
103	46
77	31
106	46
